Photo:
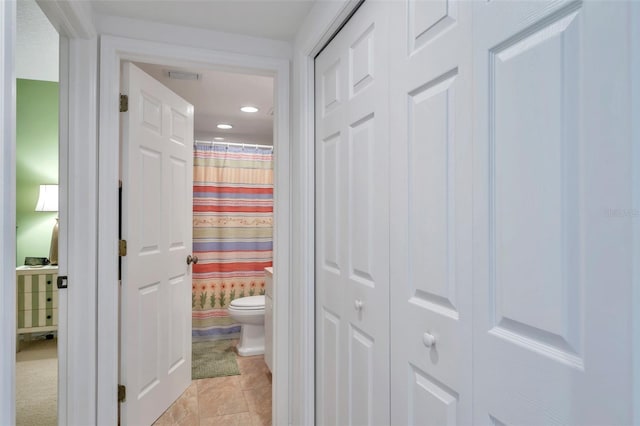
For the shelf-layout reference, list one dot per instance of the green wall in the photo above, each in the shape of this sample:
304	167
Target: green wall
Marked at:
36	163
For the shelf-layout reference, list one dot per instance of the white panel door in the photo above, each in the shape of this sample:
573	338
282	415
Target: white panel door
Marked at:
552	264
352	231
431	212
157	174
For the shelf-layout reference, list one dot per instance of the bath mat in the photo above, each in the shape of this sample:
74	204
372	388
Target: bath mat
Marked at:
215	358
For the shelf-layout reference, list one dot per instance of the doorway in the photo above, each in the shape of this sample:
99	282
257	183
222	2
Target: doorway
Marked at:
232	235
114	50
36	268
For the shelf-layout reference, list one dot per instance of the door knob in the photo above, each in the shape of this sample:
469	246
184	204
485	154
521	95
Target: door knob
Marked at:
358	305
192	259
428	339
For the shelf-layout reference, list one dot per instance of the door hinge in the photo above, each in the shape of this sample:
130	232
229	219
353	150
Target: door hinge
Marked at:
124	103
122	247
122	393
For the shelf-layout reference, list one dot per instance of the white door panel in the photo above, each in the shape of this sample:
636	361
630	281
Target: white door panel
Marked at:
430	211
550	313
352	232
156	281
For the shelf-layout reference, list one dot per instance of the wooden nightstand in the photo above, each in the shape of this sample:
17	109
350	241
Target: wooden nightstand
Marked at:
37	299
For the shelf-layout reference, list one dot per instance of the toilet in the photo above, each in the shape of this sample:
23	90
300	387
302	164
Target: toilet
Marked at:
249	312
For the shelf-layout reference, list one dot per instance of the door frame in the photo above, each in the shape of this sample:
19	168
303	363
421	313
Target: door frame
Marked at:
114	50
7	216
323	21
77	143
635	167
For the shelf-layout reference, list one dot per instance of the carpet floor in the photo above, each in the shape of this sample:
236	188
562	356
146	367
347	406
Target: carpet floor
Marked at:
215	358
37	383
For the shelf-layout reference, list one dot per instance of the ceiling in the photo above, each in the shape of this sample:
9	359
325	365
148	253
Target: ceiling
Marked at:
217	97
275	19
36	44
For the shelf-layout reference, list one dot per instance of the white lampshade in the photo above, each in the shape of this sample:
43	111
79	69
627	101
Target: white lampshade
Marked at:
48	199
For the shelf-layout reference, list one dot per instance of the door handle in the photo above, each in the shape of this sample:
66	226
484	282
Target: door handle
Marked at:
428	339
192	259
358	304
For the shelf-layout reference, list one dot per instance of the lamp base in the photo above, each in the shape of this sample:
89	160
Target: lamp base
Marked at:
53	250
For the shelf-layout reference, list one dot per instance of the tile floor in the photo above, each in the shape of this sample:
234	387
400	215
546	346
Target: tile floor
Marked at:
243	400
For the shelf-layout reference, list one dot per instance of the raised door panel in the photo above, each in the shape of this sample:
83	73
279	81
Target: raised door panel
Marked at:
535	238
431	210
361	377
327	381
148	221
428	20
430	402
330	201
148	336
362	201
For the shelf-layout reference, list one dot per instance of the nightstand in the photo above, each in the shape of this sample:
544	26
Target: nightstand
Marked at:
37	299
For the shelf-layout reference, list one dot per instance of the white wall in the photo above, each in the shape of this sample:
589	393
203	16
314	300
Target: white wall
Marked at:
193	37
36	44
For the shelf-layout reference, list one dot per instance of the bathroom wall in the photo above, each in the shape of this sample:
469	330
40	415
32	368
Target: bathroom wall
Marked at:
36	163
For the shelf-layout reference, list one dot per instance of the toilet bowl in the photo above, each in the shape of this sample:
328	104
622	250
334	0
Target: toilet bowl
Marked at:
249	312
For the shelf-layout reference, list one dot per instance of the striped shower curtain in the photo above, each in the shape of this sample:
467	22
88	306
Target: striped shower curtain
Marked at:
232	232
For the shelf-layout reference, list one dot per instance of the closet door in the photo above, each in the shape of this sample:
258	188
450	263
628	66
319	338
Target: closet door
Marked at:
431	213
552	241
352	223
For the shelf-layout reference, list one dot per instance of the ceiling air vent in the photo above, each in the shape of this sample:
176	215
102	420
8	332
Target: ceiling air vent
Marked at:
183	75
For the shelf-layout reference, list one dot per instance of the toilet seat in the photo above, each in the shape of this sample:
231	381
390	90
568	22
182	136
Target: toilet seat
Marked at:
251	303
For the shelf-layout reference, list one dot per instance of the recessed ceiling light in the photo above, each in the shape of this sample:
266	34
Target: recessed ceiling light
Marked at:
225	126
249	109
218	139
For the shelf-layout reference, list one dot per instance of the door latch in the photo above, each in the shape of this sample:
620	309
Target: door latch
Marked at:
62	281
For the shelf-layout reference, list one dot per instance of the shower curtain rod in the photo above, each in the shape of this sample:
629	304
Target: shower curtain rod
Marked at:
243	145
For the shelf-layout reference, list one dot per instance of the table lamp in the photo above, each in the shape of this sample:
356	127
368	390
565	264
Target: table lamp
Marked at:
48	202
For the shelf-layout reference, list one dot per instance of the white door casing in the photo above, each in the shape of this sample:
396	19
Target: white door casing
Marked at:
552	264
430	96
157	174
352	233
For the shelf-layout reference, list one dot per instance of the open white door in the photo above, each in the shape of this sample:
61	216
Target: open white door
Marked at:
155	322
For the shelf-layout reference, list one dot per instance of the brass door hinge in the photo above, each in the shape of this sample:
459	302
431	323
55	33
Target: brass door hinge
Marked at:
122	247
122	393
124	103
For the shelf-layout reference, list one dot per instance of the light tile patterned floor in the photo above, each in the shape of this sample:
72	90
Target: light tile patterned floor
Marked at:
243	400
